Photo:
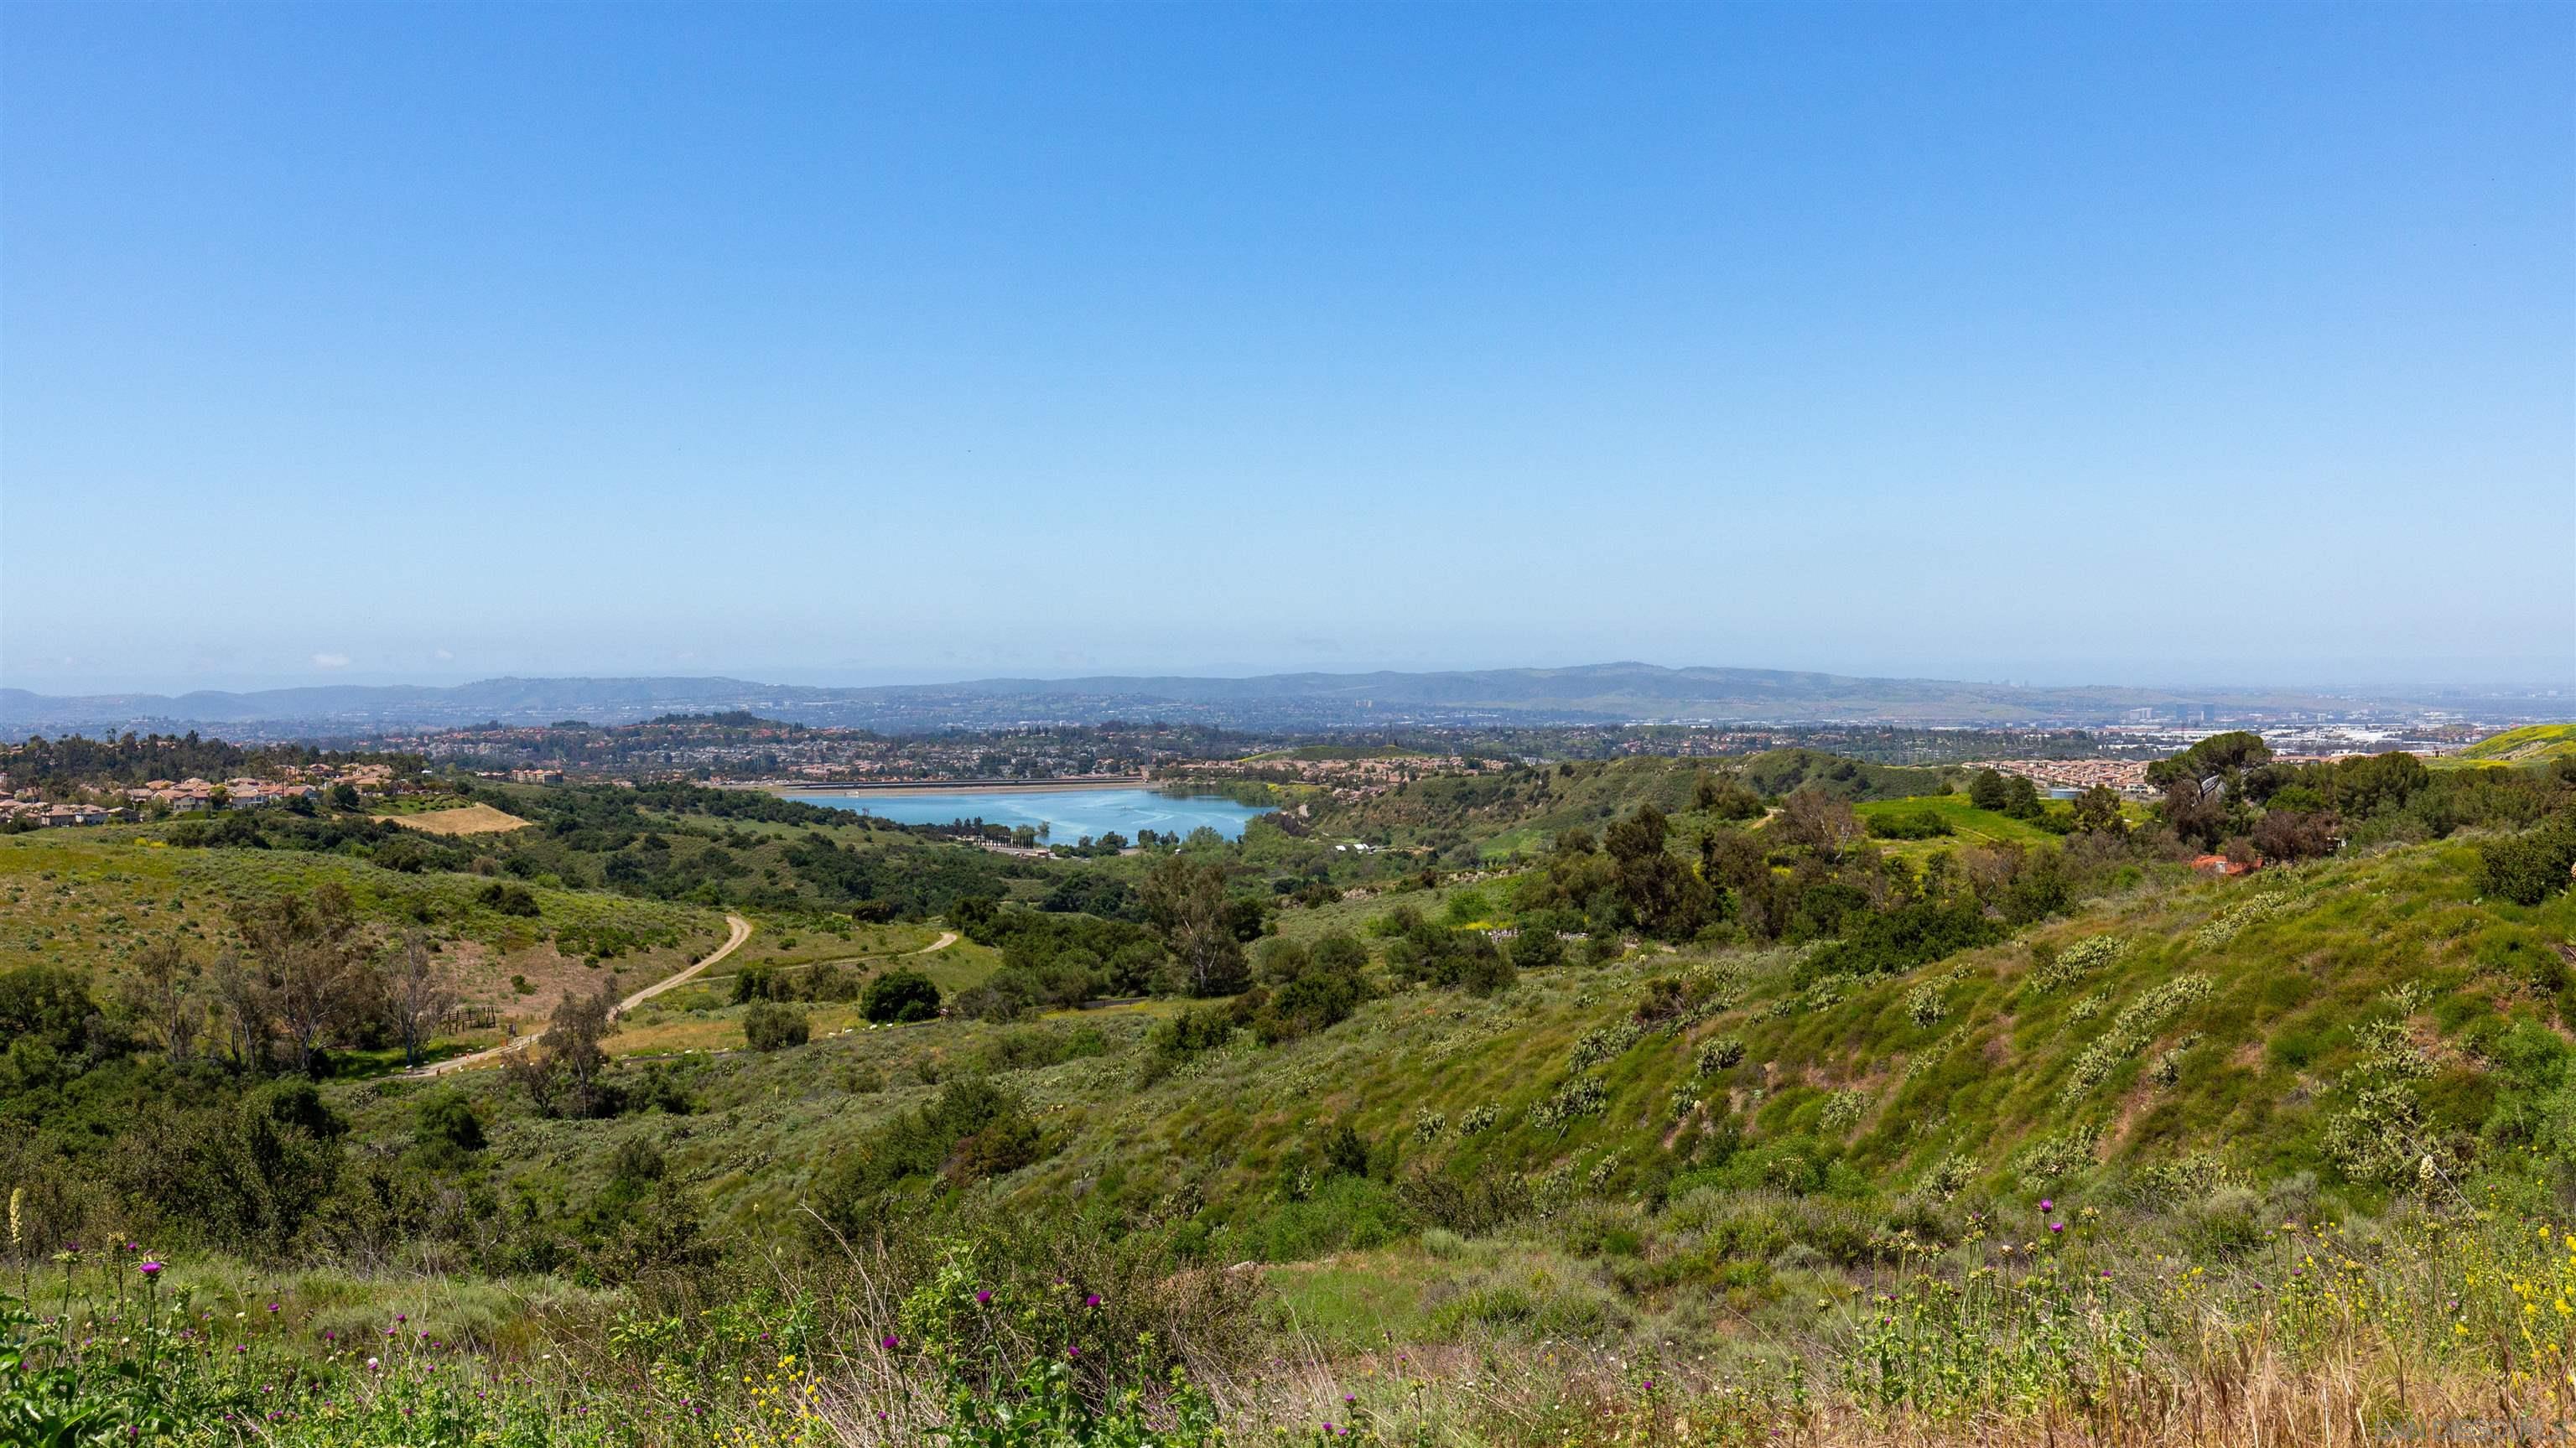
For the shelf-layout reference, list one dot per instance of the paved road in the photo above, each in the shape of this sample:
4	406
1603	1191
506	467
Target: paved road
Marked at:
741	932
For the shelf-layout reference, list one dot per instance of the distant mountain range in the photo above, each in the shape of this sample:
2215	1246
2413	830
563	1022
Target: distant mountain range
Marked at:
1596	693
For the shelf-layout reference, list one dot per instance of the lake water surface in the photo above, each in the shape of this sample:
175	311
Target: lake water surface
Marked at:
1069	814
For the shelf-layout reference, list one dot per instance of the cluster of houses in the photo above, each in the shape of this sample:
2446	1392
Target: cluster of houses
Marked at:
2067	778
192	795
196	796
42	815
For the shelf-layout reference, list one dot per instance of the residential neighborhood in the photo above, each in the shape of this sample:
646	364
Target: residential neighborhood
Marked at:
30	807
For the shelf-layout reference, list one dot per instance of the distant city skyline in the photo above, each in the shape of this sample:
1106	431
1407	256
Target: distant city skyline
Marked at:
2150	345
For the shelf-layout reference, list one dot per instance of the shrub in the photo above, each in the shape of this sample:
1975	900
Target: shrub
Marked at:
1315	989
900	996
2223	928
1920	824
2131	1033
445	1123
769	1026
2054	1158
1185	1037
2055	971
1843	1111
1901	939
1723	1053
2528	868
1603	1043
1482	1203
931	1142
1583	1096
507	899
1537	947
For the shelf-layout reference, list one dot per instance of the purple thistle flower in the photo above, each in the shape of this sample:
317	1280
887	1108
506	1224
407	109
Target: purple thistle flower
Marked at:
1092	1300
890	1342
984	1296
149	1270
2057	1226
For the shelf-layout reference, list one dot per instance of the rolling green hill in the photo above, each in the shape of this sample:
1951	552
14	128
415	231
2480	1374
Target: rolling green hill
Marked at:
1515	811
1929	1139
2294	1021
2531	744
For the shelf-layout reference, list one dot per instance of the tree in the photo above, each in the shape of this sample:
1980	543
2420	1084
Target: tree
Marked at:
1659	890
2192	816
1537	948
1986	790
47	1003
284	1159
1820	822
563	1072
2283	836
1483	969
421	995
1723	795
2226	756
1310	989
1186	902
158	992
2364	785
2021	798
2097	811
900	996
312	961
769	1026
242	994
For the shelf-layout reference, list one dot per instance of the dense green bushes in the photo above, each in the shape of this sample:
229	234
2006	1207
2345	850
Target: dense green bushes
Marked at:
768	1026
900	997
2530	867
972	1130
1901	939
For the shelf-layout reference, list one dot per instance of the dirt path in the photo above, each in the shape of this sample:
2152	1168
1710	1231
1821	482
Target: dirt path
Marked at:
741	932
946	939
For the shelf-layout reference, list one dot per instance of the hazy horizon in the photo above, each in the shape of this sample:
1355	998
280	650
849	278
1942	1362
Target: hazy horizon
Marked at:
859	679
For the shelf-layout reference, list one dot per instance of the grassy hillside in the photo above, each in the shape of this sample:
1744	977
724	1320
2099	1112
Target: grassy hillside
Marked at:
2531	744
2209	1030
1504	813
1745	1127
91	900
2224	1019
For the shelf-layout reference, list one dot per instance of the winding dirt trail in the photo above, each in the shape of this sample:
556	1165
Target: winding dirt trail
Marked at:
741	932
946	939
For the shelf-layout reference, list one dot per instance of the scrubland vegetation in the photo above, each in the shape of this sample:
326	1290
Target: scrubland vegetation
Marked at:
1808	1100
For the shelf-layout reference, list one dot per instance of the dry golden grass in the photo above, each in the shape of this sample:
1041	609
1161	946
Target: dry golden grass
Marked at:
469	819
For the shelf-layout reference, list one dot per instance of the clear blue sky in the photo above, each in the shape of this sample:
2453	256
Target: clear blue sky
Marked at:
2156	343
